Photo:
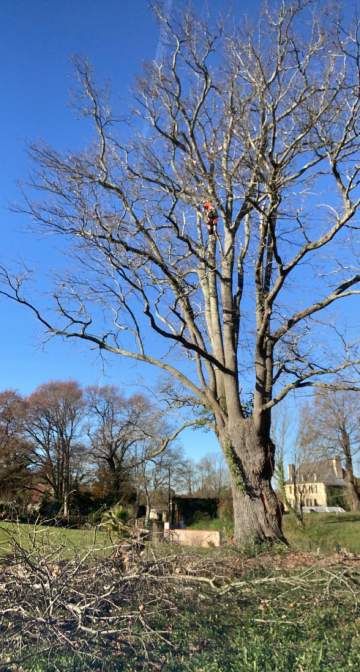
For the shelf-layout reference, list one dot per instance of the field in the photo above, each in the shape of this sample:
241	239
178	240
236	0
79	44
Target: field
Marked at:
64	542
325	532
174	610
322	532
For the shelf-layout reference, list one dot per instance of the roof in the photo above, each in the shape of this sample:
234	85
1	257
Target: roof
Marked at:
328	471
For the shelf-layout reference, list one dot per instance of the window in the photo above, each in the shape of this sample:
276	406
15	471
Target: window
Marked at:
315	502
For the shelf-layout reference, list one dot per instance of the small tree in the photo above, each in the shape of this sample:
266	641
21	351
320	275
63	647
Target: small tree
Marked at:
212	476
218	224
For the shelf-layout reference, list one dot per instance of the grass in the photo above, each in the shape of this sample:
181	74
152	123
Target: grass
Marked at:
310	626
272	629
322	532
325	532
67	542
268	631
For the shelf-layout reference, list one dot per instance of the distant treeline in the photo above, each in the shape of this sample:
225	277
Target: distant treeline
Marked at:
67	450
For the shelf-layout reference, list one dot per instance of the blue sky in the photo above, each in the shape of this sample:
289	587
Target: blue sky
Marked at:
39	37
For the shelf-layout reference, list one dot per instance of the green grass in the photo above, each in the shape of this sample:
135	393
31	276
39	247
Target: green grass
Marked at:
307	626
326	532
66	542
277	628
323	532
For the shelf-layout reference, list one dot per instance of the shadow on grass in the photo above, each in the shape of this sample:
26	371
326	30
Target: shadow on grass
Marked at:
343	519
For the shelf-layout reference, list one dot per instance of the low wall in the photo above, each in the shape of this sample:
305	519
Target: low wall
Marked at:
194	537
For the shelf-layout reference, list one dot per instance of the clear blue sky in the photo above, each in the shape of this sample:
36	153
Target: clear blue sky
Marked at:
38	39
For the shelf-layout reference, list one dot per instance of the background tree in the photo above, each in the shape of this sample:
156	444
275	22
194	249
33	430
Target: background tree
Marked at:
212	476
115	425
14	450
53	416
159	477
330	427
223	225
286	449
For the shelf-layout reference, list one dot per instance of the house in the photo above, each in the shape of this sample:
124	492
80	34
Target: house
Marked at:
317	485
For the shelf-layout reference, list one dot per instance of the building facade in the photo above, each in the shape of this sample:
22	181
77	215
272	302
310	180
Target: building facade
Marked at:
316	484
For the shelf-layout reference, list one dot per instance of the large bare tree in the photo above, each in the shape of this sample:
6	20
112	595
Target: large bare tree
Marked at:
219	219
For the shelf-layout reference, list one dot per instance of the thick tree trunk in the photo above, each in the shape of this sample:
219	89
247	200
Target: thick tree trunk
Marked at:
257	511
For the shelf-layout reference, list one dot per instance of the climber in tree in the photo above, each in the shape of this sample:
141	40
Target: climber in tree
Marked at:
211	217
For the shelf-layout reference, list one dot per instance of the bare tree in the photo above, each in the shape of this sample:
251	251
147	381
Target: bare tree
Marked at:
187	479
331	427
158	477
212	476
282	426
14	450
219	224
53	414
116	425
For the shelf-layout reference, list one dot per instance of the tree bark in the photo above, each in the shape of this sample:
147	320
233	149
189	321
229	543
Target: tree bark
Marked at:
257	511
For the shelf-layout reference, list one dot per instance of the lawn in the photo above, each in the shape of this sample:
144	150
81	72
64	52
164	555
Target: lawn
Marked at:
322	532
62	542
325	532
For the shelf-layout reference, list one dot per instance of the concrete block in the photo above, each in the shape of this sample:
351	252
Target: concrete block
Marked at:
194	537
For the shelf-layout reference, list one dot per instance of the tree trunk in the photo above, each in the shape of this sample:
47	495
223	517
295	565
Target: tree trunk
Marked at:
66	506
354	496
257	511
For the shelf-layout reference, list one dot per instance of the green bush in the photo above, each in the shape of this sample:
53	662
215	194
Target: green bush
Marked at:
117	520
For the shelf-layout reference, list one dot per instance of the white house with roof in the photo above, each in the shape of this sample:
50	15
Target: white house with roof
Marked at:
317	486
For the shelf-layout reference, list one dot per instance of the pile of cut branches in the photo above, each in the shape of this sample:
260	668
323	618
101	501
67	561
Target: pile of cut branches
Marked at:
125	606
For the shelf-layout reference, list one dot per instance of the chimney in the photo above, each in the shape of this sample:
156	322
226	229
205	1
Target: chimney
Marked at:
337	467
291	472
